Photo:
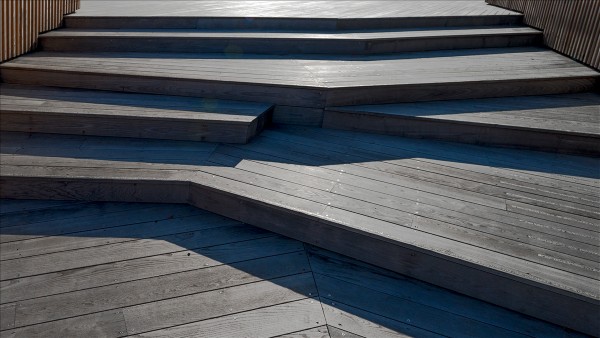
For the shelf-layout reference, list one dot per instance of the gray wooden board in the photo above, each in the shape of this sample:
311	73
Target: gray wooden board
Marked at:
330	180
141	268
92	222
92	238
381	209
103	298
277	320
532	166
67	260
341	154
317	332
183	310
572	112
363	275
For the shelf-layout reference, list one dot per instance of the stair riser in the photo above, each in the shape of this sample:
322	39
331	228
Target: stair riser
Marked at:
313	97
119	126
463	132
287	23
283	46
445	271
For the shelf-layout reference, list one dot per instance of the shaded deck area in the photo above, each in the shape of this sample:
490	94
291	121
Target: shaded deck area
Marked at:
499	223
157	270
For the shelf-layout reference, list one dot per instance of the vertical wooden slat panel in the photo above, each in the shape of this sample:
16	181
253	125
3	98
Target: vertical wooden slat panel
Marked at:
570	26
23	20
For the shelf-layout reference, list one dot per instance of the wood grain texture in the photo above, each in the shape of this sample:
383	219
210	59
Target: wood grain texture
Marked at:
569	27
114	114
22	21
315	83
561	123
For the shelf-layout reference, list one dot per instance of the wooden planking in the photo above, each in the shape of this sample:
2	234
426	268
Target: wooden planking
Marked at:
360	275
569	27
270	321
176	285
563	123
253	187
266	42
146	267
106	114
301	318
22	21
36	265
313	83
317	332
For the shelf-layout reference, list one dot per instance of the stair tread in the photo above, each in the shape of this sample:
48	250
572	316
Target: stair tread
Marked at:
567	113
440	67
164	107
270	34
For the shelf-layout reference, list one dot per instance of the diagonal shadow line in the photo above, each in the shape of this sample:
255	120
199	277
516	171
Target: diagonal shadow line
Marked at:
405	295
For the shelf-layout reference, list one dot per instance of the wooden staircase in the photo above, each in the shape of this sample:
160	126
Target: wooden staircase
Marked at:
113	109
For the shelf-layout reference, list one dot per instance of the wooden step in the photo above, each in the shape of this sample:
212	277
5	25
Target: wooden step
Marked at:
565	123
85	112
512	227
270	42
333	24
311	81
322	14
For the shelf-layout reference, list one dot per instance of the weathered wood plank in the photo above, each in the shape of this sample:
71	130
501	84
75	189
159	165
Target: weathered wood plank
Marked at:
146	267
214	235
342	268
270	321
163	287
183	310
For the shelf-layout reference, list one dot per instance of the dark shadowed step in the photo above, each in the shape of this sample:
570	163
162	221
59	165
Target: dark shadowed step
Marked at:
559	123
84	112
290	42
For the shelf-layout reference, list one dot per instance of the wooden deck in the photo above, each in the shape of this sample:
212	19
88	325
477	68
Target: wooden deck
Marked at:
290	9
528	221
73	269
511	227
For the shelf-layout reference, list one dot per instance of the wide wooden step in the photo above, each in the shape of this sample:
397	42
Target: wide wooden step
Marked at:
567	123
512	227
312	81
270	42
85	112
314	15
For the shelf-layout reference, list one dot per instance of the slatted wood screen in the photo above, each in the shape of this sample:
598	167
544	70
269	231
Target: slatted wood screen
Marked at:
571	27
23	20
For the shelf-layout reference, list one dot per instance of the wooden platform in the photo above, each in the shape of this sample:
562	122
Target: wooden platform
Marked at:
84	112
150	270
490	223
288	15
312	82
557	123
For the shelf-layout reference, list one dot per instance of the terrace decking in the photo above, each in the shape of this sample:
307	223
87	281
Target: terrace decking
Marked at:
148	270
123	123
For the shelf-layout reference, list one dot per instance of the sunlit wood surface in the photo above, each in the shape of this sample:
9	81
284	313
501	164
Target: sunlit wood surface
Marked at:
312	9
